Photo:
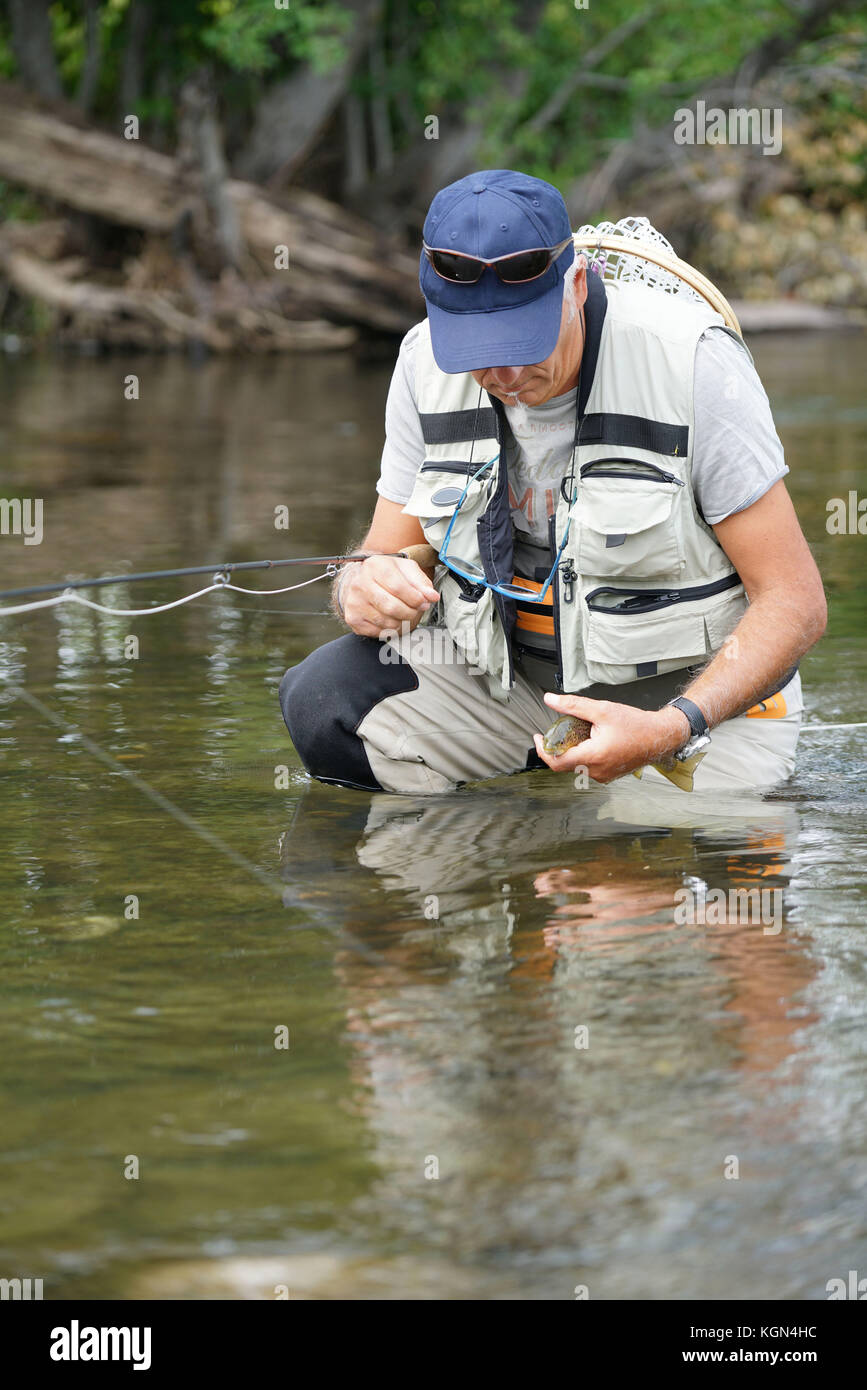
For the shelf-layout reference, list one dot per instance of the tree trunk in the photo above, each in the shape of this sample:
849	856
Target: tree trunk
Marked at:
137	25
33	47
383	145
398	193
354	145
294	112
89	79
213	215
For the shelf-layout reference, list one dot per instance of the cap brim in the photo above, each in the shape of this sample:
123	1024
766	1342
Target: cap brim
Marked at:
512	337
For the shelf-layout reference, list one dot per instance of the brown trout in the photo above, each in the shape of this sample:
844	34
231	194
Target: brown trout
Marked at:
567	731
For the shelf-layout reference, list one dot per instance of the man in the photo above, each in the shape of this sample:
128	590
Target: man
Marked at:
598	472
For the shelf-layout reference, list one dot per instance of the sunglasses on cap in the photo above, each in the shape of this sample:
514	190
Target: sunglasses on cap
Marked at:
515	269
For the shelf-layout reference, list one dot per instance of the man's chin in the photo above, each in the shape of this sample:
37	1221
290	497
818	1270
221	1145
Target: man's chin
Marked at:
523	395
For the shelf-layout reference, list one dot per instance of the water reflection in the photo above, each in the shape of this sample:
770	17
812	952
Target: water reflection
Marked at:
433	957
556	913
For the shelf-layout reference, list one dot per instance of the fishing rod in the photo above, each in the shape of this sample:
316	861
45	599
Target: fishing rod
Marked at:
422	554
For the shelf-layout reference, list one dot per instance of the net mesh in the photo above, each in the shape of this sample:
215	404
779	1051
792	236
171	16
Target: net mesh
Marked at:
628	267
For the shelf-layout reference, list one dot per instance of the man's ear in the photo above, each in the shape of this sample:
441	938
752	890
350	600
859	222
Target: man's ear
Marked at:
579	283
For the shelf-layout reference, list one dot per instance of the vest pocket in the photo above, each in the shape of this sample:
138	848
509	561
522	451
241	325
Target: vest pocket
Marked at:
627	519
630	632
437	491
472	624
663	629
616	647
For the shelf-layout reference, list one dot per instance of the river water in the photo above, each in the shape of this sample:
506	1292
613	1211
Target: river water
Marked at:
509	1071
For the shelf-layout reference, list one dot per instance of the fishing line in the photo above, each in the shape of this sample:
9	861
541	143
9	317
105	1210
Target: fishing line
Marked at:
69	597
422	553
285	612
822	728
287	590
262	876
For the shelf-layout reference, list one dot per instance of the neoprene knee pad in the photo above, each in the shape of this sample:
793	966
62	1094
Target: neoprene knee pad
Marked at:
325	698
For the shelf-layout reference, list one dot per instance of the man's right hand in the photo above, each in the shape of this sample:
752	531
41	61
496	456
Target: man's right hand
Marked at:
381	593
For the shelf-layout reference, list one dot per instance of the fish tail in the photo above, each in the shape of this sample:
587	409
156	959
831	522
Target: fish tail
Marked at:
682	774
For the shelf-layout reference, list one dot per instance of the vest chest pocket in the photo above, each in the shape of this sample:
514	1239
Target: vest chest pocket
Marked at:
628	519
436	493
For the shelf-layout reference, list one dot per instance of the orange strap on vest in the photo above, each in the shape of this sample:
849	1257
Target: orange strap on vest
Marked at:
534	617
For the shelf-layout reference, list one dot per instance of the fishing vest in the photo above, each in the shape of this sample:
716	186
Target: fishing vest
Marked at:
644	586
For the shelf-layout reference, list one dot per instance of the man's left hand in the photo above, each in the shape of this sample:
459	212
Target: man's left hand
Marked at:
622	738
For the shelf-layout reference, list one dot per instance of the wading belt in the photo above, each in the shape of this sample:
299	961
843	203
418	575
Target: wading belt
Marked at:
652	692
535	627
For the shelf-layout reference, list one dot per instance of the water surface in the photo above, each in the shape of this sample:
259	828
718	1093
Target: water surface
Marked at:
431	959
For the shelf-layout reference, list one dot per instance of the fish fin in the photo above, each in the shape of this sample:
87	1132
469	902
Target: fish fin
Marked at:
681	780
636	772
682	774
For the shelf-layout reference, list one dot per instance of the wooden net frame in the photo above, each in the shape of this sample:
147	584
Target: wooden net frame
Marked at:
634	252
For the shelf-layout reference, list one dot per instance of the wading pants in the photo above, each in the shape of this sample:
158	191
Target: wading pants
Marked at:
409	716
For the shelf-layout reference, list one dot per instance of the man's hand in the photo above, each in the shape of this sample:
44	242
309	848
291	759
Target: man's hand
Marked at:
622	738
381	593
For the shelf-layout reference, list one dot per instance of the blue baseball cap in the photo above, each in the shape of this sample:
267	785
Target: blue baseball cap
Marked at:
491	214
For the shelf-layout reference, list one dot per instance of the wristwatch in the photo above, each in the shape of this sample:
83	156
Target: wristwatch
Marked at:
699	736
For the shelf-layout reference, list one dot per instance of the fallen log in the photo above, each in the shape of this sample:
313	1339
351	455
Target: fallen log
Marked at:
148	318
337	267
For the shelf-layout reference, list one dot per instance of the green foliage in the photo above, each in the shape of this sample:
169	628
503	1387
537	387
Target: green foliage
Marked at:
7	58
250	36
17	205
505	67
498	64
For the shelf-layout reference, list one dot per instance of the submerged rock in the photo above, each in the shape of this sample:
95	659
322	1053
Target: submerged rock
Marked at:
317	1276
88	928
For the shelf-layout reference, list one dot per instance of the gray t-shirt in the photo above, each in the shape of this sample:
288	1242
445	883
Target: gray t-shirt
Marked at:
737	455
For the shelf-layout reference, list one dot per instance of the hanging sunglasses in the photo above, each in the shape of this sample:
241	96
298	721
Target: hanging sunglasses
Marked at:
468	570
515	269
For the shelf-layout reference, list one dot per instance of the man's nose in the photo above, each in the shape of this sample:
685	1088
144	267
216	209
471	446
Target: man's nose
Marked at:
506	376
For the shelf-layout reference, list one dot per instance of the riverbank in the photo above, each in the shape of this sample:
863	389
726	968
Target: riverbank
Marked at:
796	315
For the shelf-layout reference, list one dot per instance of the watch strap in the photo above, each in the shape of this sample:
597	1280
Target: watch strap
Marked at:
697	723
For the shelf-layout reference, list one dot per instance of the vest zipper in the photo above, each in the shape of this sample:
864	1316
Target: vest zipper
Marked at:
465	469
600	472
647	600
555	604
